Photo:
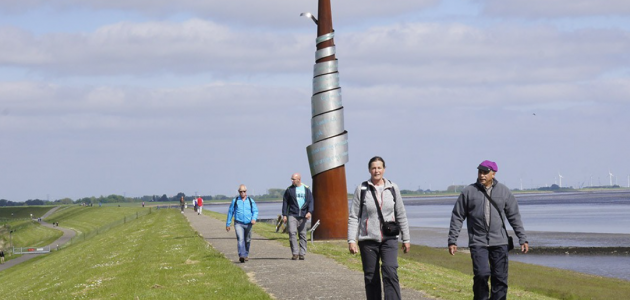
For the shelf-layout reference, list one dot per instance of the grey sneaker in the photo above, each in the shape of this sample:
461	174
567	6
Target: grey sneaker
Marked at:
301	257
294	257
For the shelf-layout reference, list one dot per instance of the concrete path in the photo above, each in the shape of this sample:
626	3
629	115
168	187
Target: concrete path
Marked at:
67	235
270	266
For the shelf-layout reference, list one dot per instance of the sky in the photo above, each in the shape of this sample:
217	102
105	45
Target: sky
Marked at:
146	97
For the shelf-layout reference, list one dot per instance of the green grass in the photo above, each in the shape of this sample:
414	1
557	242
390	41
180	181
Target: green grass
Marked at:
441	275
158	256
30	234
22	212
26	233
87	219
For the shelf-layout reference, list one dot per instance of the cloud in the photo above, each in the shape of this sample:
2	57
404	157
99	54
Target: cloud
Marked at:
456	54
555	9
223	134
193	46
20	48
35	106
272	13
406	53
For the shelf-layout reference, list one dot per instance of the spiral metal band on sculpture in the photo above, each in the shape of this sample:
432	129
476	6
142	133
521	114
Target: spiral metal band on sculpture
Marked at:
329	148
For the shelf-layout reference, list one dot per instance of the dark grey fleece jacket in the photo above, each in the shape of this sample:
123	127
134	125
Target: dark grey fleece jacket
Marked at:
470	206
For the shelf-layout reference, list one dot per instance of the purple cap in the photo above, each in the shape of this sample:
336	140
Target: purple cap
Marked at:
487	165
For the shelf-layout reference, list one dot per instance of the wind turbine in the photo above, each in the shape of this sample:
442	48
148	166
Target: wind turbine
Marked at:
560	176
611	176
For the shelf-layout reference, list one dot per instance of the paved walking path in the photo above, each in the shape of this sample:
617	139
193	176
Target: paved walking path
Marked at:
67	235
270	266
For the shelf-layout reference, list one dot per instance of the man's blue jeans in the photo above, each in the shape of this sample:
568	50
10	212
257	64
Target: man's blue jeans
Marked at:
244	238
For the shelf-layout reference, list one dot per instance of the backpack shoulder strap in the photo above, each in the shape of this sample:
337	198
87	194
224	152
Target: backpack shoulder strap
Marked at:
250	205
393	192
364	187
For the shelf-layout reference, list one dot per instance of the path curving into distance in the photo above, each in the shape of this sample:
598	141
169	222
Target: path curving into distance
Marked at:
68	234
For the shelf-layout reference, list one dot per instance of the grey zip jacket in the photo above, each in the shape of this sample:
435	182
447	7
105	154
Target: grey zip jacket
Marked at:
470	206
369	227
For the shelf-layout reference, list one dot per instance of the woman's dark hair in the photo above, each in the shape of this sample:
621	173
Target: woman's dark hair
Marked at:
376	158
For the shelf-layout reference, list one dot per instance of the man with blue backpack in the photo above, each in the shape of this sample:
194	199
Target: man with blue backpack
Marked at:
245	213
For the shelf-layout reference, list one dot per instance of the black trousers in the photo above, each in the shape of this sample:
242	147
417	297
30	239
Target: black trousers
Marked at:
387	253
490	262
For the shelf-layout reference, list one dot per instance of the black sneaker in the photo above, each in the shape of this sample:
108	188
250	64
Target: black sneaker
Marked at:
301	257
241	259
294	257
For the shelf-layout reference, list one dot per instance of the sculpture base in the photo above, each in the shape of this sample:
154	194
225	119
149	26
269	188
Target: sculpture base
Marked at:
331	204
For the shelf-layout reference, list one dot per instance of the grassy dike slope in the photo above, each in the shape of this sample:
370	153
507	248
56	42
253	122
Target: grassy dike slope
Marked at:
158	256
26	232
84	219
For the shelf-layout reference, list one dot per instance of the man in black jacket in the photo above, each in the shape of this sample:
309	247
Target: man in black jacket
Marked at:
297	206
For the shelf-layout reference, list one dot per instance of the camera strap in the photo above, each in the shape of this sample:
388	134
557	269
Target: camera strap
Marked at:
483	190
378	207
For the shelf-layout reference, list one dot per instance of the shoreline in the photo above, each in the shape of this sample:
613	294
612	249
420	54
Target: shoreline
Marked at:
539	241
599	251
432	237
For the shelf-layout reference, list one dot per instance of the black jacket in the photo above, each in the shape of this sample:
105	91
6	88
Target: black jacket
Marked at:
290	204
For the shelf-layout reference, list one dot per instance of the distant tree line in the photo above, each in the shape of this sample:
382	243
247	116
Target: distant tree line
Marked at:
274	193
4	202
555	187
616	186
271	194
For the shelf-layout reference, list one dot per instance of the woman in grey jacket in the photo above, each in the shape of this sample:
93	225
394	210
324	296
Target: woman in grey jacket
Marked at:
365	226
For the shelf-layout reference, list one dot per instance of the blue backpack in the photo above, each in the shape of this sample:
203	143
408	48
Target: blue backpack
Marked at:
250	204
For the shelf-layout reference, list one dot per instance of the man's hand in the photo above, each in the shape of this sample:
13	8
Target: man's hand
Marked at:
284	219
352	247
308	216
227	228
452	249
525	248
253	222
406	247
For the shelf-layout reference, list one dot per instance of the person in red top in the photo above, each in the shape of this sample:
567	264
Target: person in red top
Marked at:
200	205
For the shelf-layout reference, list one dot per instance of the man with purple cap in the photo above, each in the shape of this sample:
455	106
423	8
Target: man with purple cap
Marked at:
485	204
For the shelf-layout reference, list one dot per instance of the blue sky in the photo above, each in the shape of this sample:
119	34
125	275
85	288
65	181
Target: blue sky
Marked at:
144	97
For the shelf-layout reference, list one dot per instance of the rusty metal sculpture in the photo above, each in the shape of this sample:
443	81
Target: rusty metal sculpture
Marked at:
328	153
